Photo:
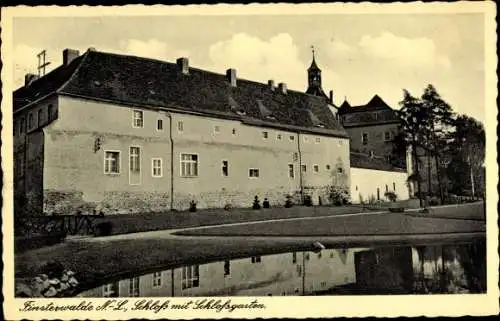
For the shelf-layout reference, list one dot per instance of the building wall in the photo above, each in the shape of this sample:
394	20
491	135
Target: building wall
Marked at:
74	160
376	141
74	178
365	182
28	146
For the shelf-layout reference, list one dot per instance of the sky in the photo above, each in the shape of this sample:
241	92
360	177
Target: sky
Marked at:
360	54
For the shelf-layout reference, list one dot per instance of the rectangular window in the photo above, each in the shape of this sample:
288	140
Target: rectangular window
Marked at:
316	168
51	113
30	121
253	172
138	121
110	290
327	167
295	157
317	140
22	125
294	257
386	188
394	186
227	268
216	129
157	167
190	276
303	168
135	159
189	165
340	170
159	124
291	171
364	138
299	272
156	279
256	259
225	168
133	287
387	136
41	119
111	162
234	131
265	135
291	138
278	136
305	139
180	126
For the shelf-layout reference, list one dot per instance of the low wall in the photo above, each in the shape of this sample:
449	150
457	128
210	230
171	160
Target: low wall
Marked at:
372	184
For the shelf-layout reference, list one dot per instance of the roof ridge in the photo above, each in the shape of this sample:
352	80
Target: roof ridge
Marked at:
207	71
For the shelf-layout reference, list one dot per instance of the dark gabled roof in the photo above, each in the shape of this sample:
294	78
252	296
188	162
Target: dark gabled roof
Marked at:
345	105
376	103
45	85
375	112
146	82
361	160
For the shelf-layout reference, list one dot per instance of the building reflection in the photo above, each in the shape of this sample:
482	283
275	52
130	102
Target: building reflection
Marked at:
295	273
389	270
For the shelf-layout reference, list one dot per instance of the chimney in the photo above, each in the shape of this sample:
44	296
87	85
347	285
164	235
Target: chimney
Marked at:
231	76
91	49
29	78
331	97
270	83
282	87
69	55
183	64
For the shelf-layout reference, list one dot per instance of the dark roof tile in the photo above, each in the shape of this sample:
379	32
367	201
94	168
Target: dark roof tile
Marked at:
141	81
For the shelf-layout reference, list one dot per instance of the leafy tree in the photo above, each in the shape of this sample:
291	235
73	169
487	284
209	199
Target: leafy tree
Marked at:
466	152
437	121
412	116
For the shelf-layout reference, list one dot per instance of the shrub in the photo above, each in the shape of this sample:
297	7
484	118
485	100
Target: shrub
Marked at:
338	196
227	207
266	204
434	201
103	229
192	206
391	196
256	203
288	202
53	269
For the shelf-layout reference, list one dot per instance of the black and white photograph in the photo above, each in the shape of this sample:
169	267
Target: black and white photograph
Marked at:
222	160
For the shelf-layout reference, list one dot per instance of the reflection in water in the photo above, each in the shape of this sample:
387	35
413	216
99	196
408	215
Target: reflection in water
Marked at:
457	268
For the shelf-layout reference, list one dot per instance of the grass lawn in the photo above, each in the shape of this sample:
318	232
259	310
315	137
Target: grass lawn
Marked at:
373	224
132	223
471	211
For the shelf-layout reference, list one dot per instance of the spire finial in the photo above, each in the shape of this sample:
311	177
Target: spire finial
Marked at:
312	49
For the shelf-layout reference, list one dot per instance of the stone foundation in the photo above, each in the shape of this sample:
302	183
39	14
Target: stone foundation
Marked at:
121	202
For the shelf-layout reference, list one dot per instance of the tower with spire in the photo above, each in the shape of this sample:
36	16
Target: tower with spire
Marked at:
314	78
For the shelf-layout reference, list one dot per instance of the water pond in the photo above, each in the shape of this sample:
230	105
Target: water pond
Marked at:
404	269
